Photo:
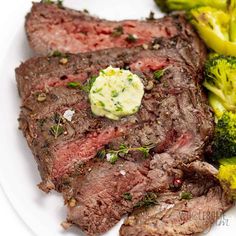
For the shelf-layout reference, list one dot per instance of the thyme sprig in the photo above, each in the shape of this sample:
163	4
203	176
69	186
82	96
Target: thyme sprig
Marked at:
114	155
57	129
84	87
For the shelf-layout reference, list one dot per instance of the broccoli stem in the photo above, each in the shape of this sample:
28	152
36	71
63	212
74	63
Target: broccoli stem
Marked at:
216	105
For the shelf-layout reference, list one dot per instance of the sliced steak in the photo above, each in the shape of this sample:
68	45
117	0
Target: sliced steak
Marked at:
50	28
41	73
87	134
174	116
174	216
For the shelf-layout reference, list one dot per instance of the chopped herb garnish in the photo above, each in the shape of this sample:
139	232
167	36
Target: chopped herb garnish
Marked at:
73	85
47	1
130	78
114	155
144	150
119	107
114	93
186	195
102	104
118	31
87	87
132	38
101	154
149	199
151	16
60	3
97	90
57	129
127	196
57	54
86	11
158	74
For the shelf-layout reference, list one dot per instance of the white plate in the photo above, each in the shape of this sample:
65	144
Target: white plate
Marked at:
18	172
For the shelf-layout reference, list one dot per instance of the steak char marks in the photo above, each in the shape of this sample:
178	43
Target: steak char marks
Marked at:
174	114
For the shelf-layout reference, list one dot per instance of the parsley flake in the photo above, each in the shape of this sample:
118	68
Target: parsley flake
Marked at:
127	196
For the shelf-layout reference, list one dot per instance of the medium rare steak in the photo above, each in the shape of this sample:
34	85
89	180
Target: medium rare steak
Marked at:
174	215
50	28
174	116
86	134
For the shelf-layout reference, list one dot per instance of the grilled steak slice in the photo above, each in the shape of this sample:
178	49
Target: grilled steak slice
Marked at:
174	116
98	197
50	28
94	189
174	216
87	134
40	73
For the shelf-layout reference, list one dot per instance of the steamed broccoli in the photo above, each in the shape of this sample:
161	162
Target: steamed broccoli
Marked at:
227	176
216	28
178	5
224	144
220	80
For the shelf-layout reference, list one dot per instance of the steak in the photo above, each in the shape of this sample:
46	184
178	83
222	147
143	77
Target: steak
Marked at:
174	216
174	116
87	134
53	28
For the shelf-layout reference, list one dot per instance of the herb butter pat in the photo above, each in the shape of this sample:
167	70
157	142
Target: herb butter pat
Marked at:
116	93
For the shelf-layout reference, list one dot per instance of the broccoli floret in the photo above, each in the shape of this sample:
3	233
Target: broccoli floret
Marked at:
227	176
214	27
220	80
224	143
179	5
211	19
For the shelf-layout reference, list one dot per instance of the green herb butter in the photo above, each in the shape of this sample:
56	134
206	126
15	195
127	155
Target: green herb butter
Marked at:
116	93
